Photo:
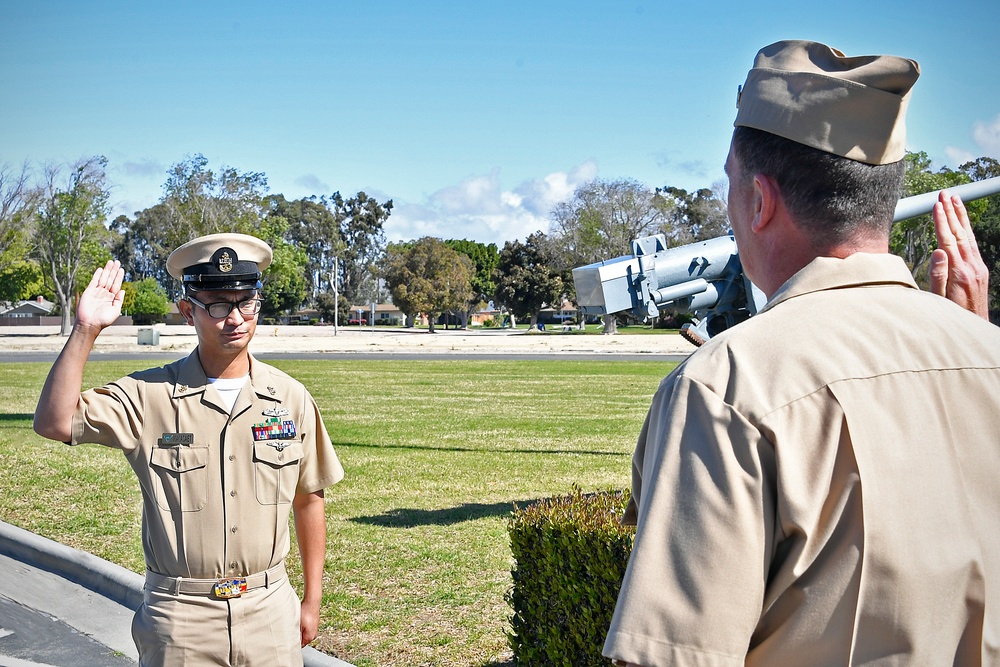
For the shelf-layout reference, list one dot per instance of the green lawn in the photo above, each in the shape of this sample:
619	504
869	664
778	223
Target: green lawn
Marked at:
436	453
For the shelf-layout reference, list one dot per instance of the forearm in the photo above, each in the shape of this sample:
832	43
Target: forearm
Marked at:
310	531
61	391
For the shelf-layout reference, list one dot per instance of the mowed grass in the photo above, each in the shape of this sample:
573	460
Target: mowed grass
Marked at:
436	453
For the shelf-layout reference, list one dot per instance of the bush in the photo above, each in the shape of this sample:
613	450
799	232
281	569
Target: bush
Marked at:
570	554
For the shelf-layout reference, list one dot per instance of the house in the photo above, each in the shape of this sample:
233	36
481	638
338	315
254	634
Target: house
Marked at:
29	313
385	314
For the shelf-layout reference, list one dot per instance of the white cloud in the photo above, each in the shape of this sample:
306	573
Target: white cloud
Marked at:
312	183
147	168
479	209
958	156
987	137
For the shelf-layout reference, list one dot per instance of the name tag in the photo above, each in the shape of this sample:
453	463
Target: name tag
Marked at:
175	439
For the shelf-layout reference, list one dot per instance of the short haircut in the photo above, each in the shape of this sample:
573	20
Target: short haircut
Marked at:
832	198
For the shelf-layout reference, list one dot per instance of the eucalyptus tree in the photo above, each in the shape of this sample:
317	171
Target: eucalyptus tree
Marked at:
69	232
361	221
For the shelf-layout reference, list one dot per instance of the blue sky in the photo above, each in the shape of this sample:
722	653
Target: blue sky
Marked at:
473	117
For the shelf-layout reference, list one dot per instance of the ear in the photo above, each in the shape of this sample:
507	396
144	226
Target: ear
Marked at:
765	201
185	307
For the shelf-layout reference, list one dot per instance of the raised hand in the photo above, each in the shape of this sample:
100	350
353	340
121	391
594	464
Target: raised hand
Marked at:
957	269
101	303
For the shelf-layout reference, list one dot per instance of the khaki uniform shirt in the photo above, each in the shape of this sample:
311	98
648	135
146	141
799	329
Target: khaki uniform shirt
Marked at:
820	485
215	504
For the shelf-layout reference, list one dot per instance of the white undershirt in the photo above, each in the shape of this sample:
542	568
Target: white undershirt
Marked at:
229	389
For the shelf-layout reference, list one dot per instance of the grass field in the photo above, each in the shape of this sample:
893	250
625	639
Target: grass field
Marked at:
436	453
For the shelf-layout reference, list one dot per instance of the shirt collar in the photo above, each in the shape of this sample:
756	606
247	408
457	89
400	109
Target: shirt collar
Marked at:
191	378
857	270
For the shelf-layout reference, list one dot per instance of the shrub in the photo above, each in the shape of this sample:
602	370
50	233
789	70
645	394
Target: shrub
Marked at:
570	554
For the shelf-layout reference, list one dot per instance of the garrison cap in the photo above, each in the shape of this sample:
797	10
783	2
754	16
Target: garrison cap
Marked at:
220	262
814	95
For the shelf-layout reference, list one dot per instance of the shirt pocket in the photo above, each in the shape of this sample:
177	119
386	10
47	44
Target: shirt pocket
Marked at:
276	470
179	477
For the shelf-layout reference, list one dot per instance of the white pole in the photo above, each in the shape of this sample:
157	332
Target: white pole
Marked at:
336	296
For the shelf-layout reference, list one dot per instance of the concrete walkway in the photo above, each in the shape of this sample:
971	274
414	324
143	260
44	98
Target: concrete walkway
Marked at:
61	607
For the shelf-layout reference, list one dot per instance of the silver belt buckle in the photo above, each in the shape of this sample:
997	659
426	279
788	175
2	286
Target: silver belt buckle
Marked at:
232	587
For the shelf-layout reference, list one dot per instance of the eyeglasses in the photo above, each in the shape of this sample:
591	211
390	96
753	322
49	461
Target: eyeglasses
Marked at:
221	309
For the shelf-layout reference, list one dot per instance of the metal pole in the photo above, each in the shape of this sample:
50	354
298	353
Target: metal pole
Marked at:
911	207
336	296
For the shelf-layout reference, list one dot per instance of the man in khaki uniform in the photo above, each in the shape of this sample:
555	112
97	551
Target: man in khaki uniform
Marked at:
819	484
224	447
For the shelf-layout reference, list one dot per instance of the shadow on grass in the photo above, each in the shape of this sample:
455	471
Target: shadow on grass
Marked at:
411	518
432	448
15	417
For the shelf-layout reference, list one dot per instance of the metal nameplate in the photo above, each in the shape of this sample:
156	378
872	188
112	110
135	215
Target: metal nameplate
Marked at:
175	439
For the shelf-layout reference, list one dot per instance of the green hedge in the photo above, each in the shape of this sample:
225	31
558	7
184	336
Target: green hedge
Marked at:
570	554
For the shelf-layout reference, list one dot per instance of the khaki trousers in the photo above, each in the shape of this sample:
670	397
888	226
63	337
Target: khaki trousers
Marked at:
258	629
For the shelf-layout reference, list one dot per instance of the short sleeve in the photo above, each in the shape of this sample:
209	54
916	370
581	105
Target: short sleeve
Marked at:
694	587
110	415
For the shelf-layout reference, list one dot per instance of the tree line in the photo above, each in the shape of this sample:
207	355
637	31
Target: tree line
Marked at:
54	230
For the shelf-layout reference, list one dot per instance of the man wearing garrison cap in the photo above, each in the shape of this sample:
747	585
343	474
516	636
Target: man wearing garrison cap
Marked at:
225	447
819	484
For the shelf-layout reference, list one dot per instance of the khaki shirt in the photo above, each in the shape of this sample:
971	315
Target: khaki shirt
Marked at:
820	485
215	504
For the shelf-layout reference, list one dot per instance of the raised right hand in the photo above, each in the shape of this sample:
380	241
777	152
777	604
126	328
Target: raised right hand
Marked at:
101	303
957	269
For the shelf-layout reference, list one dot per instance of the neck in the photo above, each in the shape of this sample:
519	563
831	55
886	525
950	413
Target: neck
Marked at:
793	250
226	367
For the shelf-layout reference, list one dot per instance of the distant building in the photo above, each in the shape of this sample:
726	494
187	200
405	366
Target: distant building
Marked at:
28	313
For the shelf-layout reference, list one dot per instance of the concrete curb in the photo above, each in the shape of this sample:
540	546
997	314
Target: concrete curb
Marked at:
112	581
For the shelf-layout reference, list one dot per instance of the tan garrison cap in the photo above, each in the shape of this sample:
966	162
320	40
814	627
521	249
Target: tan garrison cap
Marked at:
220	261
814	95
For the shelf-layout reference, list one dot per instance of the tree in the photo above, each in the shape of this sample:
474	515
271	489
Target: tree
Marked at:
600	222
428	277
602	219
327	304
693	217
361	220
485	258
286	285
196	201
70	236
15	206
21	280
200	201
146	301
313	228
526	277
142	247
